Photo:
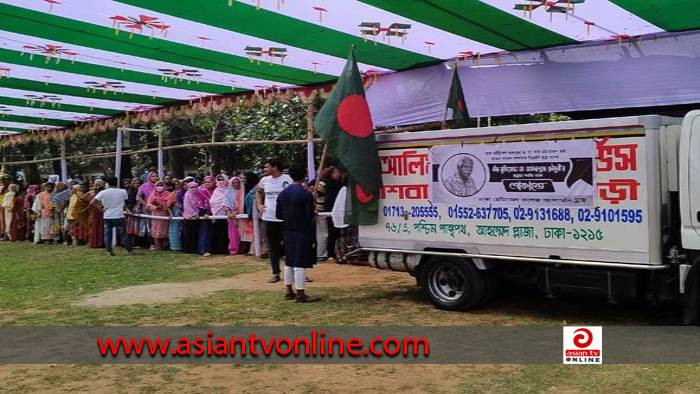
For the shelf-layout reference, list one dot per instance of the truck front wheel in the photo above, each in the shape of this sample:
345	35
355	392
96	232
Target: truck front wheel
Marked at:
453	284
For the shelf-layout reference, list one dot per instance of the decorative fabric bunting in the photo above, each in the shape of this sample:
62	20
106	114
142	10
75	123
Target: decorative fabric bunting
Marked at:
70	61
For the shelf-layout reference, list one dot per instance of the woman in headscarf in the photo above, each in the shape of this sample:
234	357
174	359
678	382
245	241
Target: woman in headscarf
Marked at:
142	197
8	203
175	203
17	230
137	227
43	210
193	205
233	202
205	230
208	187
204	242
169	182
96	234
29	198
219	227
149	186
251	184
59	201
158	206
131	192
80	212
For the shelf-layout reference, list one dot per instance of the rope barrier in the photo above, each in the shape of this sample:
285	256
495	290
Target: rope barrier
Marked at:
239	216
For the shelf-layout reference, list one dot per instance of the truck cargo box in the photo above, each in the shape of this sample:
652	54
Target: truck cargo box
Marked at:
594	190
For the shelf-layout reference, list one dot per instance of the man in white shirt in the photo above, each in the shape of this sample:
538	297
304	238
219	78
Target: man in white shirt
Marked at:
269	188
112	200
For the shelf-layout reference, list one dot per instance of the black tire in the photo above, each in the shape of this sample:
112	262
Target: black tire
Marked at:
453	284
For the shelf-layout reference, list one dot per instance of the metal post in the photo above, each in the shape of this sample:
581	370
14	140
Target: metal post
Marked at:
256	232
118	156
478	122
123	132
64	165
117	174
310	162
161	170
489	121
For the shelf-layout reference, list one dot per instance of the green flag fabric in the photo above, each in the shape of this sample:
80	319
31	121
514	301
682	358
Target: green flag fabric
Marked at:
455	101
345	124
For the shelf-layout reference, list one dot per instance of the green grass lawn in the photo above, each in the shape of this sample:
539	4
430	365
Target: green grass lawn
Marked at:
39	285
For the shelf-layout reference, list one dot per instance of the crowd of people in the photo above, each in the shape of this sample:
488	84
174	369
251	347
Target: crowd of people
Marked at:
205	214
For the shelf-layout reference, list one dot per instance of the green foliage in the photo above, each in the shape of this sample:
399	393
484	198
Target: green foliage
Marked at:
523	119
277	121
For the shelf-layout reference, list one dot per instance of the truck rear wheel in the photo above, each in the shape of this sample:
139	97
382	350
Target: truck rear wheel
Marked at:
453	284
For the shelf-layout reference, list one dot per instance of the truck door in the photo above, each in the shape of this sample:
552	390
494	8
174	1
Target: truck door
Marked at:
689	180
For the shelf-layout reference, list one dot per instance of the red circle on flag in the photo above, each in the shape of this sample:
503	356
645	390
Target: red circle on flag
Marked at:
354	116
362	196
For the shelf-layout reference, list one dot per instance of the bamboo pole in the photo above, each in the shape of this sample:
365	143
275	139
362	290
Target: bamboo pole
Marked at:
64	163
310	159
161	169
420	127
134	152
251	142
256	232
209	154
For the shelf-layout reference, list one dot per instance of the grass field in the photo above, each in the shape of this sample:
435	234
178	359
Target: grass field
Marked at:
41	285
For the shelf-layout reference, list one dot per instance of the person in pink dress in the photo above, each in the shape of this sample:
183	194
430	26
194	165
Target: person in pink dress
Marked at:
233	203
158	206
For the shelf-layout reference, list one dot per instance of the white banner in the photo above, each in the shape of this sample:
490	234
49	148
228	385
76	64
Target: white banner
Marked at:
550	173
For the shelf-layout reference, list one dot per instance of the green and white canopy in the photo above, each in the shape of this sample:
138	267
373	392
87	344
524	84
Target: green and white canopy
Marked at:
64	62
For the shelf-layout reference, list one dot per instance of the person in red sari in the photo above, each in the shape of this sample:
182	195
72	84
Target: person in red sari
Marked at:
158	206
17	230
96	236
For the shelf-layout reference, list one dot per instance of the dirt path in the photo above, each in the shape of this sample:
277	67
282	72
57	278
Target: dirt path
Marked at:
244	379
324	275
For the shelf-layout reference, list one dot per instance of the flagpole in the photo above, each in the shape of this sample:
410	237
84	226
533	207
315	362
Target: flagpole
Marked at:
321	165
449	91
444	119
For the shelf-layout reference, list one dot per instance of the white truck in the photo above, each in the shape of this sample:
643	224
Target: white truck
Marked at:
604	206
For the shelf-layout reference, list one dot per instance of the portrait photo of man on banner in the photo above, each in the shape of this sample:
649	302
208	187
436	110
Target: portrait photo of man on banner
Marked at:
559	173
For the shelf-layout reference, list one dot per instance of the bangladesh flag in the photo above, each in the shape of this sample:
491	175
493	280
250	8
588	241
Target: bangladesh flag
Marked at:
345	124
455	101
